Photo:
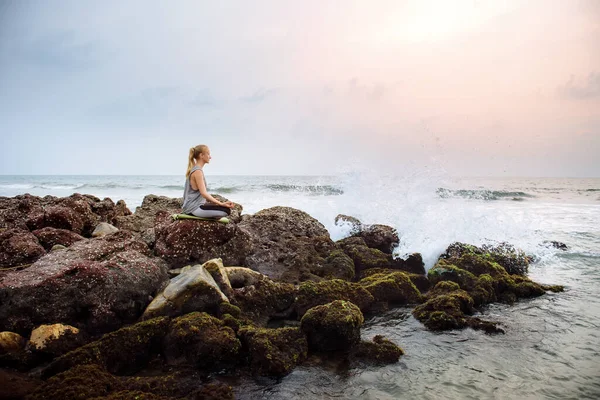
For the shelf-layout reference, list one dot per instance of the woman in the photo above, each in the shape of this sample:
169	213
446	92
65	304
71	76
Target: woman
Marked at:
196	199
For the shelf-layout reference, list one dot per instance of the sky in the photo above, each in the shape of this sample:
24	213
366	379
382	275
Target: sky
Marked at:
471	88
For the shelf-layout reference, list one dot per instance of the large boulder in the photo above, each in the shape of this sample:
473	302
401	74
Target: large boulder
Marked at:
311	294
187	242
289	245
18	247
194	289
274	352
49	237
201	340
332	326
144	215
97	284
381	237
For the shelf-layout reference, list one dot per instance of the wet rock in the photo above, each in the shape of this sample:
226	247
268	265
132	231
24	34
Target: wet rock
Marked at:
103	229
555	244
513	260
49	237
413	264
381	237
365	257
201	340
14	210
11	342
97	284
55	339
289	245
18	247
57	247
311	294
242	276
260	298
121	352
192	290
420	281
332	326
394	288
379	351
82	382
354	223
274	352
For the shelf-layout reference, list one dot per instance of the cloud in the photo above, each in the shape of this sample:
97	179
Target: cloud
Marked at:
581	89
205	98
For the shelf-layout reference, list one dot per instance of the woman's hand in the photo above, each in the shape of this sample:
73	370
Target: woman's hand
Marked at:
229	204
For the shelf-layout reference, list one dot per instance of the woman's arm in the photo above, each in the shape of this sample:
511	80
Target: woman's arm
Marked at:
198	177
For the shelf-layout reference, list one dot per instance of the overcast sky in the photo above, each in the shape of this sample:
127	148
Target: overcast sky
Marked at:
474	87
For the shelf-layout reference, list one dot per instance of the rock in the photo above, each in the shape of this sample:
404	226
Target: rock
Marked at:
394	288
121	352
379	351
311	294
97	284
260	298
11	342
78	213
365	258
82	382
145	215
201	340
192	290
55	339
219	273
57	247
354	224
332	326
513	260
49	237
289	245
18	247
194	242
274	352
103	229
381	237
413	264
556	244
420	281
14	385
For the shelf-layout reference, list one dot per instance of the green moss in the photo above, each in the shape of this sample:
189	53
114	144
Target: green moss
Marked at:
554	288
213	391
81	382
445	311
332	326
379	351
338	265
132	395
201	340
365	257
274	352
228	308
443	270
443	287
396	288
264	299
311	294
122	352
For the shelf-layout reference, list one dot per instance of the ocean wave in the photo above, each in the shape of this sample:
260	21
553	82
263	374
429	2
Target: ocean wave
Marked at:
307	189
127	186
17	186
484	194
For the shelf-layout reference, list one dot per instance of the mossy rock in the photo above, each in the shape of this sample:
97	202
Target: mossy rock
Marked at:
201	340
228	308
274	352
311	294
122	352
379	351
514	261
445	311
338	265
213	391
443	270
264	299
81	382
365	257
132	395
332	326
395	288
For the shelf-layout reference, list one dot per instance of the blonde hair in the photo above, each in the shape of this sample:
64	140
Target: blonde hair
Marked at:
194	154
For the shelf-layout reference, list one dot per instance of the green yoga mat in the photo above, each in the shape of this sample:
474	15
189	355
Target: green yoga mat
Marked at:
177	217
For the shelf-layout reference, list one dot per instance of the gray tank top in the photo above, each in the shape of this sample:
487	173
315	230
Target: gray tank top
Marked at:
192	199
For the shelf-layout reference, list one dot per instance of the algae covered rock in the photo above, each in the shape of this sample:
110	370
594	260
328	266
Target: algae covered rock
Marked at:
380	237
122	352
201	340
379	351
311	294
194	289
332	326
18	247
49	237
82	382
395	288
55	339
11	342
274	352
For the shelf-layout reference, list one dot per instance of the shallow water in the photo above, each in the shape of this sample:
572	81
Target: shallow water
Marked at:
551	345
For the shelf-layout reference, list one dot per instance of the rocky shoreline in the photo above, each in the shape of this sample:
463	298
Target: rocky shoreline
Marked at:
99	302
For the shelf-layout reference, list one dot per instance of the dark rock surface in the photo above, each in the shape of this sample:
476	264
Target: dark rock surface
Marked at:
48	237
333	326
18	247
96	284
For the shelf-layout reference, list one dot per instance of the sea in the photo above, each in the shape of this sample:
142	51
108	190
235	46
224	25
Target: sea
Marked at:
551	348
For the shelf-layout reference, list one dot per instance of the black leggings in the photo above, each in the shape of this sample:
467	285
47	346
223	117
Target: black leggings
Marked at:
211	210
